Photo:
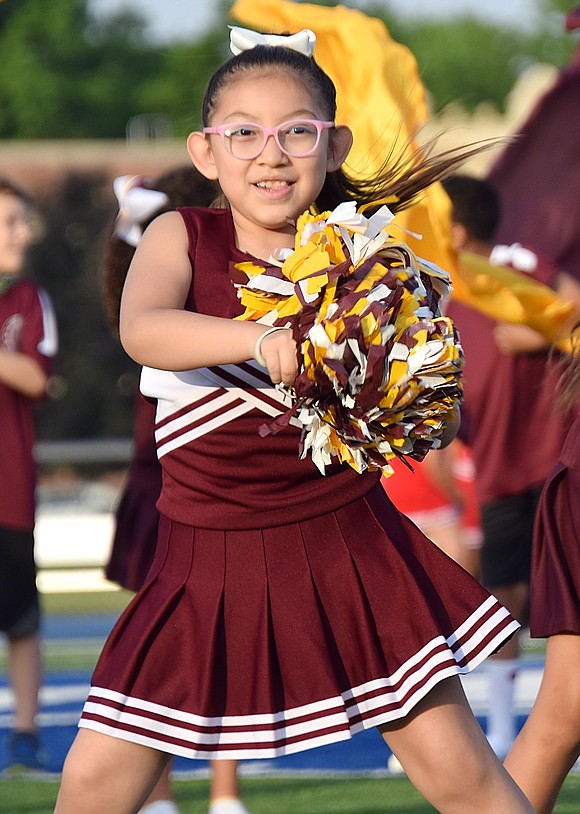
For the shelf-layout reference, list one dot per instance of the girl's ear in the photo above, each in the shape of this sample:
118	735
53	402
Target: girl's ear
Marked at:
201	154
339	145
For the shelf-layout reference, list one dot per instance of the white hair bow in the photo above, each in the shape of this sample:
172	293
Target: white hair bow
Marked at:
136	205
242	39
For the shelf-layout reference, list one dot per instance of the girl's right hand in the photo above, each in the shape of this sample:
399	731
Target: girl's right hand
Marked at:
279	352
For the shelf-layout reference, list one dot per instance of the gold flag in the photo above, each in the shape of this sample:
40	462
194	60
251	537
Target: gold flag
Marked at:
509	296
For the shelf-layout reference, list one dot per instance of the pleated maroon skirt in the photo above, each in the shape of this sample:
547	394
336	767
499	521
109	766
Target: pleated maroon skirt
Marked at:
254	644
136	527
555	573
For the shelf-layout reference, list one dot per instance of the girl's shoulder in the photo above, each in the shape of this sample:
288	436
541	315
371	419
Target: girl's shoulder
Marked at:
203	225
204	216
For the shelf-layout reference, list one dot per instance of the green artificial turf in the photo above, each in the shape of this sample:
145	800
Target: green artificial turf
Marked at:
288	795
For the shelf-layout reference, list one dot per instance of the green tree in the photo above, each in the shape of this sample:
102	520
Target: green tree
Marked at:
177	89
62	75
464	60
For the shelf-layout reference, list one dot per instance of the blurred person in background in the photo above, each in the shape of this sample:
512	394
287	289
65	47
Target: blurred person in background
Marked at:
438	495
511	425
549	743
137	518
28	343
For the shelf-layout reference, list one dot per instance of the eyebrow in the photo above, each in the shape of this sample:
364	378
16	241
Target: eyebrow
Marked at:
242	116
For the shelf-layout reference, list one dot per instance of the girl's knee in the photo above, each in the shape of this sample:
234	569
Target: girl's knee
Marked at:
84	768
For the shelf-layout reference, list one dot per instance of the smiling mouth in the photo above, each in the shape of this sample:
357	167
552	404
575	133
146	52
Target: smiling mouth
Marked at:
273	184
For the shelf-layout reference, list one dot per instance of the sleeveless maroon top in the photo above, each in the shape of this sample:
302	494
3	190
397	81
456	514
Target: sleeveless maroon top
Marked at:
218	472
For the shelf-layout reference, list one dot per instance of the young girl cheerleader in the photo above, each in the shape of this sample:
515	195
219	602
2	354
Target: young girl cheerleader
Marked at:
549	743
285	609
137	518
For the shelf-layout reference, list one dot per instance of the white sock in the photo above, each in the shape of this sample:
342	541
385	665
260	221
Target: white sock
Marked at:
228	805
501	728
160	807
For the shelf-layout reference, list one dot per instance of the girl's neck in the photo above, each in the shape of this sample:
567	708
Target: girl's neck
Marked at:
261	243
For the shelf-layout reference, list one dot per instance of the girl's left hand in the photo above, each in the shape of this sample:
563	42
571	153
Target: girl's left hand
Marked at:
279	352
513	338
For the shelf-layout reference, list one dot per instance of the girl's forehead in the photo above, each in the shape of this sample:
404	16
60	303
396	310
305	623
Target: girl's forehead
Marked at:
265	90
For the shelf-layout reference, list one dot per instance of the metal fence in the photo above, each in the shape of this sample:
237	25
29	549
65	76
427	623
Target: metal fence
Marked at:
75	512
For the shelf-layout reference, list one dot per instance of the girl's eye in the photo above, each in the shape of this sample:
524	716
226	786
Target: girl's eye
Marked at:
241	131
301	129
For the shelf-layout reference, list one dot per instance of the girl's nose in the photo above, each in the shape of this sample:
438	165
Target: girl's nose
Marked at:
271	152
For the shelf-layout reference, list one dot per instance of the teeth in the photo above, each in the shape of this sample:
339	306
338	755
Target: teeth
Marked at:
272	184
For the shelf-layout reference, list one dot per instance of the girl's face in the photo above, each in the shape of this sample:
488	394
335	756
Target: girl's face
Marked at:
15	233
267	193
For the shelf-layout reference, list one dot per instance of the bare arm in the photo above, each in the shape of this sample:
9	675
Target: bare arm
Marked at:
22	373
568	288
155	329
514	339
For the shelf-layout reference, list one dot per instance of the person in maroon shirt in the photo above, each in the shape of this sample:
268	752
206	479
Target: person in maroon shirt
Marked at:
549	743
28	342
511	424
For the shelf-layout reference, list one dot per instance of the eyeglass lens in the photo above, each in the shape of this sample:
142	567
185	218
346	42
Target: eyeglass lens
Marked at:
293	138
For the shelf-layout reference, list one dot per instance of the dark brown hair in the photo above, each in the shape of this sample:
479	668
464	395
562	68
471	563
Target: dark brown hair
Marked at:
184	186
568	365
474	204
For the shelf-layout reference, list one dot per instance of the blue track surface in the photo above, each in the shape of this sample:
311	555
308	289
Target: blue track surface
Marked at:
64	692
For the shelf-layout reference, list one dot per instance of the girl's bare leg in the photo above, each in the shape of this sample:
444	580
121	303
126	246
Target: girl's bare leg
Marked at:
224	780
25	669
162	789
448	759
549	743
102	773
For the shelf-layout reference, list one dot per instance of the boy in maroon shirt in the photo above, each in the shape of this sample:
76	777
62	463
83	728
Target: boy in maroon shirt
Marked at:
28	341
511	424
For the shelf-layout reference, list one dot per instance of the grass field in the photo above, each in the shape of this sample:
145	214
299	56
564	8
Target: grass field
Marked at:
279	796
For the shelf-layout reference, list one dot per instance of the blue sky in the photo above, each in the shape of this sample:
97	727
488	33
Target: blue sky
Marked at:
184	19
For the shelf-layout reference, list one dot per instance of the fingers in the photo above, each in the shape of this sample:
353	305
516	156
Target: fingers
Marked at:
279	352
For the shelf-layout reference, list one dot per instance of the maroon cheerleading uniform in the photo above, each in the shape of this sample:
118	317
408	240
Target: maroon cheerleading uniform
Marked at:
284	609
537	175
27	326
137	518
555	574
512	426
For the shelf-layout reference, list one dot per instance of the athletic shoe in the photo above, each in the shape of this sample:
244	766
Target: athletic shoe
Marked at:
24	755
228	806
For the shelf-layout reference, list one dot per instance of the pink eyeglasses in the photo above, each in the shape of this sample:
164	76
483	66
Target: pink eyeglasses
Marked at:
246	140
